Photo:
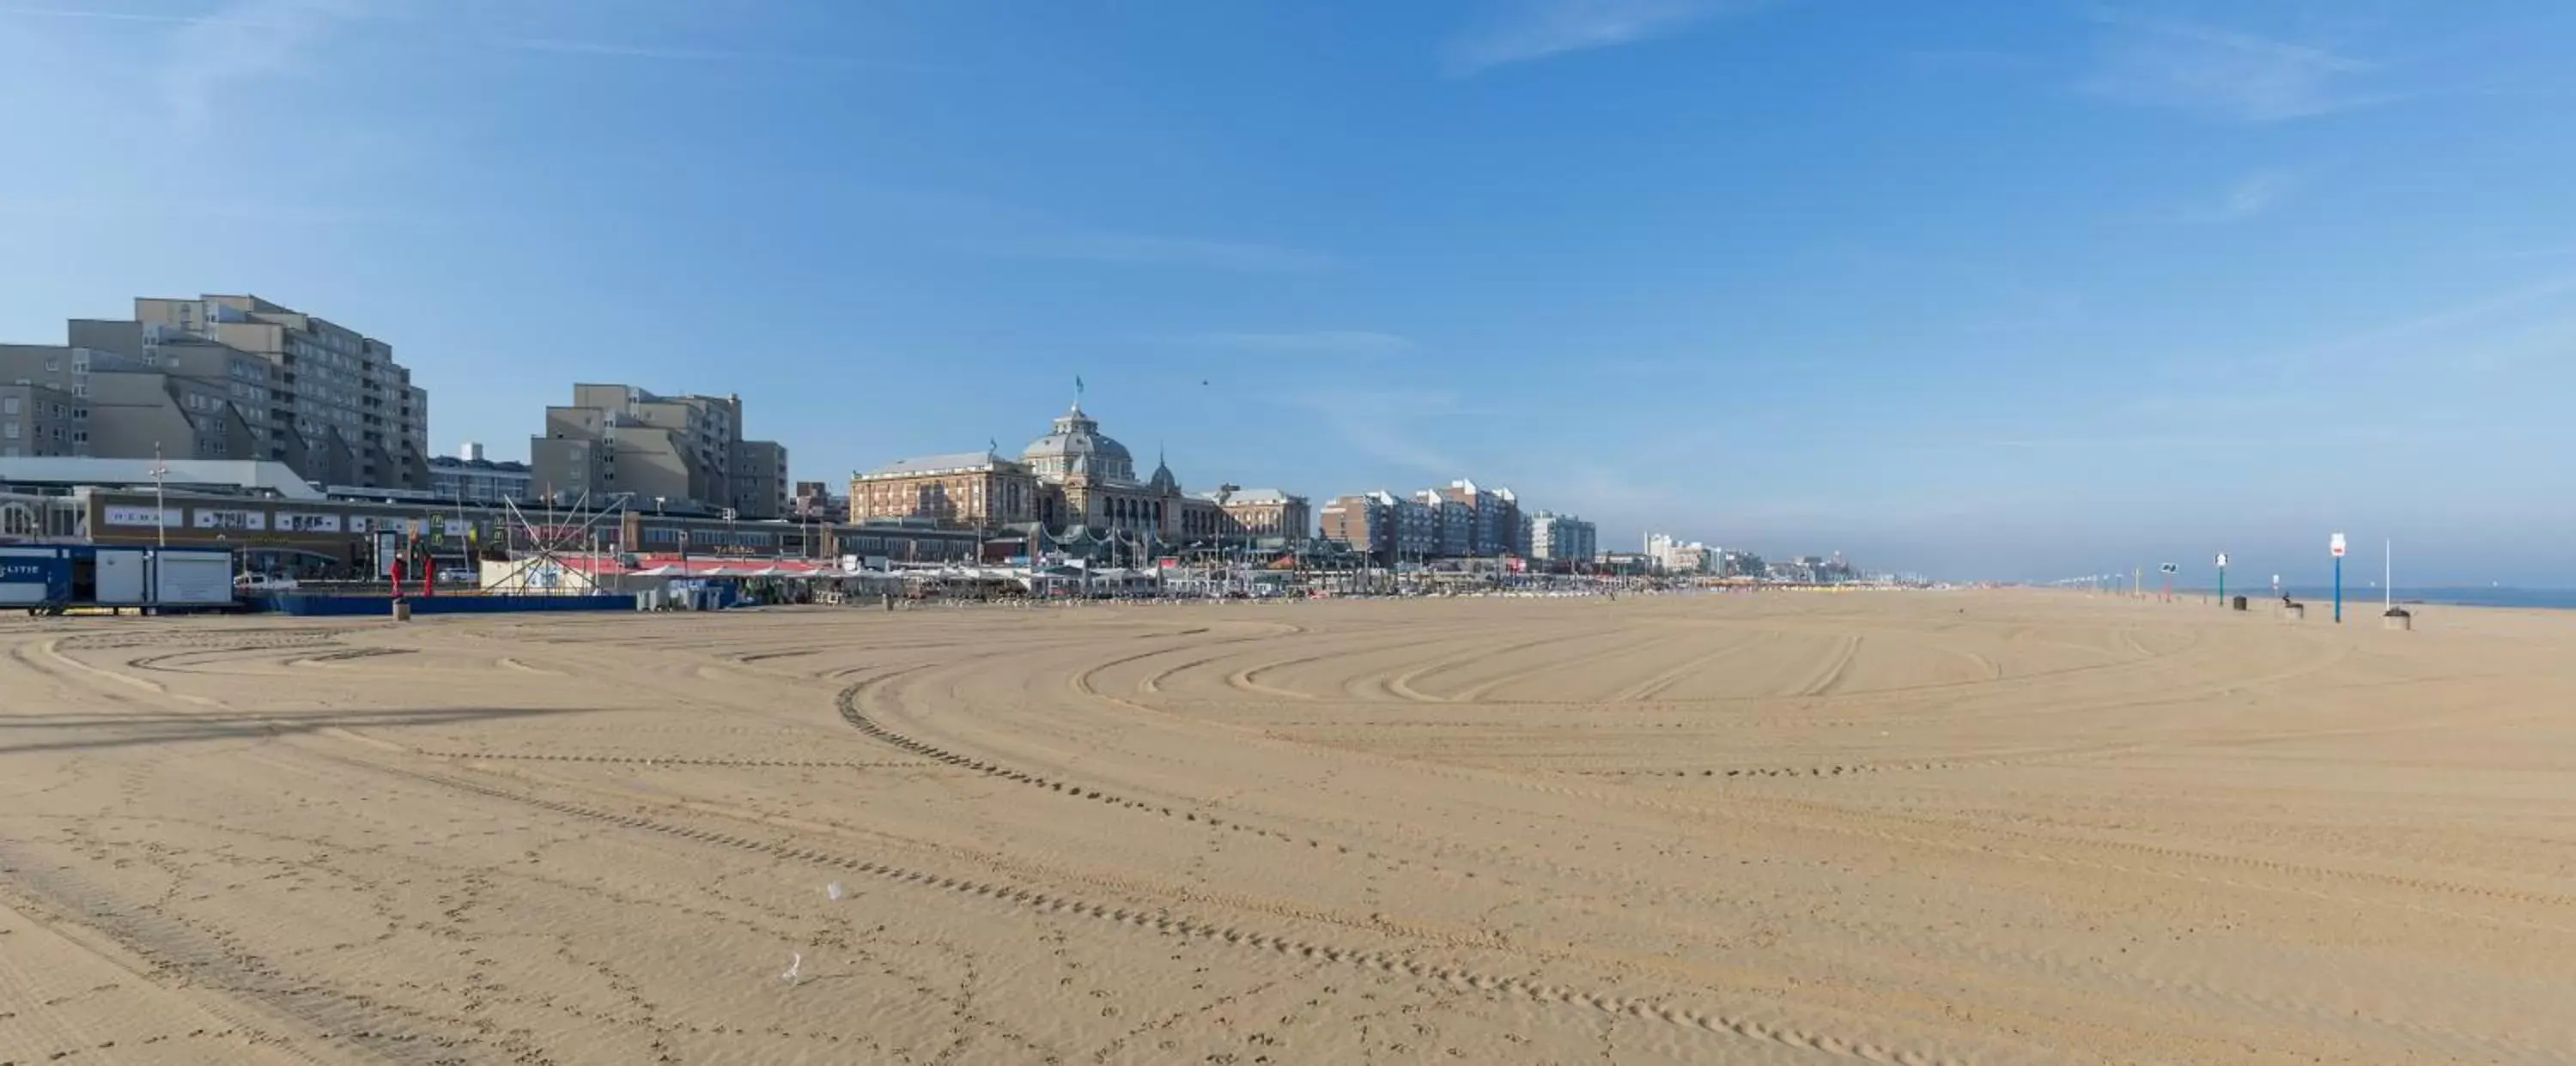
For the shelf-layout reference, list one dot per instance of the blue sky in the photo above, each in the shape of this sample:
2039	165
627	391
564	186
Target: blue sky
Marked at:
2022	290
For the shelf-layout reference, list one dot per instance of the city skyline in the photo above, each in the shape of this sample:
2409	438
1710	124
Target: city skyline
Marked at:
1997	292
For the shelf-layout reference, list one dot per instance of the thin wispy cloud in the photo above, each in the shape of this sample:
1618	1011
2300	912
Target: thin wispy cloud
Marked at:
291	17
2169	443
2258	193
2437	323
615	50
2242	76
2425	340
1314	342
1538	29
243	42
120	16
2560	251
1148	250
201	211
1383	424
1974	59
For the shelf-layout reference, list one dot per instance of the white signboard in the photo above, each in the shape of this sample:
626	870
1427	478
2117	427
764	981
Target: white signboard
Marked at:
303	522
2336	545
120	577
143	516
2222	560
193	577
212	518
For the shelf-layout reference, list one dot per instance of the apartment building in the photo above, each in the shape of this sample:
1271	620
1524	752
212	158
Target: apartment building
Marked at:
958	489
36	420
468	477
1560	538
1392	529
1453	525
1494	517
1264	514
119	407
333	394
760	485
1360	523
814	500
665	452
1417	524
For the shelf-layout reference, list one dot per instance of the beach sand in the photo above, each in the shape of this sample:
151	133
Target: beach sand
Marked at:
1818	828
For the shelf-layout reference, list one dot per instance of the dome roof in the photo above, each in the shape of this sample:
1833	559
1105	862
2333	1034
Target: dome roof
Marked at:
1075	436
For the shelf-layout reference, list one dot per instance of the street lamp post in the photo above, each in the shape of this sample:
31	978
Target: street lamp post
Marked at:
1225	544
160	502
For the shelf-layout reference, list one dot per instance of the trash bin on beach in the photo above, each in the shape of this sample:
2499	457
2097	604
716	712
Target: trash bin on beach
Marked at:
402	610
2397	618
2240	603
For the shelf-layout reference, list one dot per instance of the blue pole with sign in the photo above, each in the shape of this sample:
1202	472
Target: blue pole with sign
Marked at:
2335	546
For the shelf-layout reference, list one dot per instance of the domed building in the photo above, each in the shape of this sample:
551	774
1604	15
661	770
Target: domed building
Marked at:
1075	483
1089	489
1074	438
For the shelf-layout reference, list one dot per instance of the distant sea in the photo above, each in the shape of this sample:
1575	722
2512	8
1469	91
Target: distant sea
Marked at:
2460	596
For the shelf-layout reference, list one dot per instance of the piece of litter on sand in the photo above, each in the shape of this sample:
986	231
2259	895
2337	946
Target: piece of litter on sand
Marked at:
795	968
833	890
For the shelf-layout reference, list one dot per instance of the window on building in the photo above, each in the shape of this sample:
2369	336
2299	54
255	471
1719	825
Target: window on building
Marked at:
9	406
8	431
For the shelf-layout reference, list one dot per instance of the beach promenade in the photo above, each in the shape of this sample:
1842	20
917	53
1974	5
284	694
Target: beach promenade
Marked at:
1988	827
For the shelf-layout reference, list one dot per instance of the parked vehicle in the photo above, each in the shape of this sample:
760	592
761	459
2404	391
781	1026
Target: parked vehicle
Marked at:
263	583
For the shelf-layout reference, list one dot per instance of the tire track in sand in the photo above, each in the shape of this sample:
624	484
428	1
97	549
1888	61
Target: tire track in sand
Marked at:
1166	923
1649	688
1830	676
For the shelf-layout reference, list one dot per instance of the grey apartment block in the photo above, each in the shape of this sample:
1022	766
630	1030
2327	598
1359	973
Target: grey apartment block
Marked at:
326	400
760	487
660	452
123	408
39	421
472	479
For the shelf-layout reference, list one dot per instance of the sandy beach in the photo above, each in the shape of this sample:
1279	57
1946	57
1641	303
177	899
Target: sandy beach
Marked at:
1990	827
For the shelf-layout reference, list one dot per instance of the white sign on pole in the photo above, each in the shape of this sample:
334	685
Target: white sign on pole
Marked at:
2336	545
2222	560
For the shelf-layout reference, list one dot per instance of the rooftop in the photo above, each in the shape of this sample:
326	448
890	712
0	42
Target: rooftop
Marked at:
449	462
257	475
938	464
1254	496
